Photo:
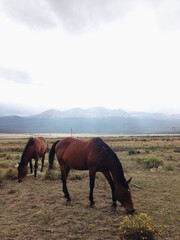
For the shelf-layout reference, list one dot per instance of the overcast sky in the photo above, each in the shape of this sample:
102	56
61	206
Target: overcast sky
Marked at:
85	53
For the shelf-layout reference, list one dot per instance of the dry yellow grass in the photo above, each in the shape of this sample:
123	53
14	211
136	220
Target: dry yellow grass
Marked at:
36	208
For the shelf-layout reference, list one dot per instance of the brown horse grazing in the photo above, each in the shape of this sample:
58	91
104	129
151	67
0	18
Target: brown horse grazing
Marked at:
35	148
96	156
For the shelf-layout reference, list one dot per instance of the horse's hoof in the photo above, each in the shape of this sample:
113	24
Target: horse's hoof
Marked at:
68	202
113	209
92	205
114	205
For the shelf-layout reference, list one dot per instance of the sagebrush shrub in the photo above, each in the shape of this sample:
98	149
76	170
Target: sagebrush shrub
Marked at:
137	227
152	161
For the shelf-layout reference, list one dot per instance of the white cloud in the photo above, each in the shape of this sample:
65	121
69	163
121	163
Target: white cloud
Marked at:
127	62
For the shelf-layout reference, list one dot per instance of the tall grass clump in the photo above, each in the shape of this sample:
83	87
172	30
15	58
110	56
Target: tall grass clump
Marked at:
137	227
169	168
52	175
6	163
132	151
43	216
11	174
3	155
77	176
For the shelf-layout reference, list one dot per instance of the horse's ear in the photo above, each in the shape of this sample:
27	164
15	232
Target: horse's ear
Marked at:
129	180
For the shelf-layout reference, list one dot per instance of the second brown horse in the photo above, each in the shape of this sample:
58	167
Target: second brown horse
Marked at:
96	156
35	148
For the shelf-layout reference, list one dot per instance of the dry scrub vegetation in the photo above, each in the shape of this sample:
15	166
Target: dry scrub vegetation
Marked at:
36	209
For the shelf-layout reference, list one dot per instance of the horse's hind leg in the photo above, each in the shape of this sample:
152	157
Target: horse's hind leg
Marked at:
35	167
111	183
31	167
42	162
64	174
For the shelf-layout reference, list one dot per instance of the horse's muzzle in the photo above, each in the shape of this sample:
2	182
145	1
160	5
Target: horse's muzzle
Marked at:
131	212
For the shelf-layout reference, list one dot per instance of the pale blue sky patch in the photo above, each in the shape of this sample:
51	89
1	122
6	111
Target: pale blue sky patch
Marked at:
14	75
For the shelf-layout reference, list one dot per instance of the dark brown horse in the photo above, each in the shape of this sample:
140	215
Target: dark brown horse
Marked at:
35	148
96	156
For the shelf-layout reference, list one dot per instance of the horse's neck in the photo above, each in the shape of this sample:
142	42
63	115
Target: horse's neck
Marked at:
24	160
117	174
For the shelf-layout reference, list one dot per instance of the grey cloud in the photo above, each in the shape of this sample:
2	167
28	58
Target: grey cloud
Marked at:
33	13
14	75
72	15
81	15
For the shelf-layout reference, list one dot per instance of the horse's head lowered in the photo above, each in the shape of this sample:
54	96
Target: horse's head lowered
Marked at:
123	195
22	172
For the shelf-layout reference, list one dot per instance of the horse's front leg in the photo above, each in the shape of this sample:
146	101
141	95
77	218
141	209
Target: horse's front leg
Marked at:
111	183
92	175
31	167
64	174
35	166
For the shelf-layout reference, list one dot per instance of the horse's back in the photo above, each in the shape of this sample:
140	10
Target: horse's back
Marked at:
74	146
71	151
81	154
40	145
41	140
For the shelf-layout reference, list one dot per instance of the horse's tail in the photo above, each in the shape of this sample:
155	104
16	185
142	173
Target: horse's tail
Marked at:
52	154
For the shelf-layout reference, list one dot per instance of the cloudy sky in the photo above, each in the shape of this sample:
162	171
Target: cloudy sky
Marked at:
85	53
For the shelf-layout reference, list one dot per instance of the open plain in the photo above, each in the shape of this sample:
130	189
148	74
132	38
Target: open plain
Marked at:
36	209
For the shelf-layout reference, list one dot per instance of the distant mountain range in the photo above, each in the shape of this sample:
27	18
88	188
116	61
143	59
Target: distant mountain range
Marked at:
96	112
100	112
93	120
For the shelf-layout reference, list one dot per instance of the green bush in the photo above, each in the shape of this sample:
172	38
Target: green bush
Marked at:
133	151
152	161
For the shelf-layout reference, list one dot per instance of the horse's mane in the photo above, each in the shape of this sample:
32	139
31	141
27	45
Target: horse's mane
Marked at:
117	163
29	143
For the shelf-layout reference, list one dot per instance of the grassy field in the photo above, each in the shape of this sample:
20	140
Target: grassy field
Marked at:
36	209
